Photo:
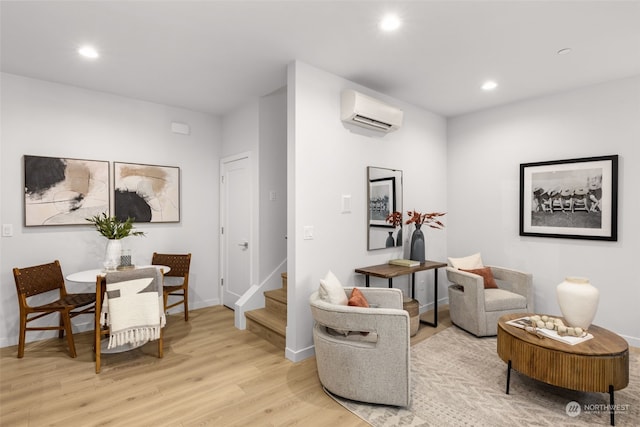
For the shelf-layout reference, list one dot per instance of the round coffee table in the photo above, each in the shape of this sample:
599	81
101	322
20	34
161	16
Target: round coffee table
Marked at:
600	364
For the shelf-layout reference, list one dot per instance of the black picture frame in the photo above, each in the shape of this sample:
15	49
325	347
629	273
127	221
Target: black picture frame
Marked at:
382	201
572	198
64	191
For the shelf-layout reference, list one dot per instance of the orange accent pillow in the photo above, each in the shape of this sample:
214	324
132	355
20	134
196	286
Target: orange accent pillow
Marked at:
357	299
487	275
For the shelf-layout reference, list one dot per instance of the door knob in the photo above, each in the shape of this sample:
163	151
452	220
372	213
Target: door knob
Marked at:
244	245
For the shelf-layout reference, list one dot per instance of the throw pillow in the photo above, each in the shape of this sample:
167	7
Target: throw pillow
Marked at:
468	262
358	299
487	276
331	290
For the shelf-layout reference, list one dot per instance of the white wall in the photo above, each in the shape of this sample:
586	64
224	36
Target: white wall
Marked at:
240	129
273	181
484	153
48	119
326	161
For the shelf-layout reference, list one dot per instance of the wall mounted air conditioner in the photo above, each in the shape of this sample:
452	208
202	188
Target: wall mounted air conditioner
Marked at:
362	110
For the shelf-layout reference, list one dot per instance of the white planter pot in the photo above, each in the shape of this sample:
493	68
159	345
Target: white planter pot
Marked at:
112	254
578	301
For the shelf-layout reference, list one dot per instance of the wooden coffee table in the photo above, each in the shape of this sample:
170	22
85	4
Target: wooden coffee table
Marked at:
600	364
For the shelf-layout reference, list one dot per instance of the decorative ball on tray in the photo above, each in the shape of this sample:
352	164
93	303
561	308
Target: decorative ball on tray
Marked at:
555	324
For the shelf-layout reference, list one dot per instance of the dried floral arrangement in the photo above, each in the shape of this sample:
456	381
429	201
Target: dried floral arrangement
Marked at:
394	218
430	219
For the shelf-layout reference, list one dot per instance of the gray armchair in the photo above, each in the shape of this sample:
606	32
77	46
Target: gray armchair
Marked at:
476	309
363	353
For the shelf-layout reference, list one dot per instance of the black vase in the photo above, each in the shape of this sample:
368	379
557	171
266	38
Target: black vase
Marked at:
390	242
417	245
399	237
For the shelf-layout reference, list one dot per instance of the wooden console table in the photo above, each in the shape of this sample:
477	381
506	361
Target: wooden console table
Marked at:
389	271
600	364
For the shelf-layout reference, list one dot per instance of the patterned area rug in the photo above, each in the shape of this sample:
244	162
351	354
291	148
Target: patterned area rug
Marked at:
459	380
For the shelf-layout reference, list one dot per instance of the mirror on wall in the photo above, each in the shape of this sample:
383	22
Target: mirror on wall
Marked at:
384	196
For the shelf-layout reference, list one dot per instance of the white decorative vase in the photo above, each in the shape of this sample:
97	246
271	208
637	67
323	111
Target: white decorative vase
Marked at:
112	254
578	301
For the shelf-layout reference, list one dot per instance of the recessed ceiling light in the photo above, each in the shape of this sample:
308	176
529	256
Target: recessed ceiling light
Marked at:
489	85
390	23
88	52
564	51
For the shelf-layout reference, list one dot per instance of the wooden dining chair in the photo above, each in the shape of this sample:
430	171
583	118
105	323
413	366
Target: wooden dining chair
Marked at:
176	281
129	311
41	279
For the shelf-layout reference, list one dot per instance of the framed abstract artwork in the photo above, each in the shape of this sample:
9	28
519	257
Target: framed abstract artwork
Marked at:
146	193
575	198
63	191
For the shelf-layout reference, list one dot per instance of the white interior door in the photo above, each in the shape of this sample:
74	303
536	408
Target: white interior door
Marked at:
236	228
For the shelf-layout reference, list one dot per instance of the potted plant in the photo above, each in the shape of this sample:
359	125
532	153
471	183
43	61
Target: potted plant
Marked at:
113	229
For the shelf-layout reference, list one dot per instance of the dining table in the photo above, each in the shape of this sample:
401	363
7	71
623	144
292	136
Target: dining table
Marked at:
90	276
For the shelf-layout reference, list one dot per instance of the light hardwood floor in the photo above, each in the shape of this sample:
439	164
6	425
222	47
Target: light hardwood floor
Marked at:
212	374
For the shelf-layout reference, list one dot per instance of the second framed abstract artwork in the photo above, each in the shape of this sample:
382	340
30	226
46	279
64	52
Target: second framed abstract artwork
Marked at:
146	193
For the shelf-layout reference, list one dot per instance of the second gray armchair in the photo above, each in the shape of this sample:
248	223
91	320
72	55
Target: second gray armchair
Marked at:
476	309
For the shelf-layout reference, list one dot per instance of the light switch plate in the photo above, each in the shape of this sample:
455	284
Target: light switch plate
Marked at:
7	230
308	232
346	203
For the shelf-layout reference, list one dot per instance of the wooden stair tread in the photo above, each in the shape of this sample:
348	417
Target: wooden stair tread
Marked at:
268	319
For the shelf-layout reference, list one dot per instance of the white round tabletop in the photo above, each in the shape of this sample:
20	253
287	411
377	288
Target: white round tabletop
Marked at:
89	276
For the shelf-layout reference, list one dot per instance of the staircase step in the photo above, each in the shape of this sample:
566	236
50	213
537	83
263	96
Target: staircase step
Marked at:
268	325
276	302
270	322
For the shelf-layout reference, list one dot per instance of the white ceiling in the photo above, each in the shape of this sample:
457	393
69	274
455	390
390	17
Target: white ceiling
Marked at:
213	56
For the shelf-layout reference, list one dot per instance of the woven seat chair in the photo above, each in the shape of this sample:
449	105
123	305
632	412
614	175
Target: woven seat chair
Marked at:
176	281
106	319
41	279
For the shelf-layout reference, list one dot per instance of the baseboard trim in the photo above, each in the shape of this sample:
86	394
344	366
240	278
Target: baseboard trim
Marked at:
298	356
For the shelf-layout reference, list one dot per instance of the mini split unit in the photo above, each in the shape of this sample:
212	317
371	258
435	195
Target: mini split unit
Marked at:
362	110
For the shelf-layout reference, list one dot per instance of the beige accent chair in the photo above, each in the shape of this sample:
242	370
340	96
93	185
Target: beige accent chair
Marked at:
363	353
476	309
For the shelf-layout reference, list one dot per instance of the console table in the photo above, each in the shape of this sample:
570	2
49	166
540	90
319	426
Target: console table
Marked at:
389	271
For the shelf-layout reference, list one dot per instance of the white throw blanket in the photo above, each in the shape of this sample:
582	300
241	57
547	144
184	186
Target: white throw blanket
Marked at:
133	306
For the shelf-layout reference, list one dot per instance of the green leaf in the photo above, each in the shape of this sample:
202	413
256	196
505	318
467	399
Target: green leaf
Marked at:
113	228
